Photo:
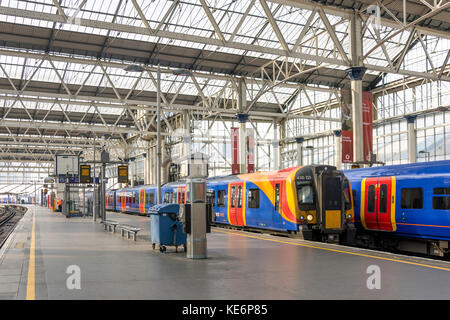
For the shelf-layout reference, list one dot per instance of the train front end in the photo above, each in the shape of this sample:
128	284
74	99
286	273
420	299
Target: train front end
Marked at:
324	202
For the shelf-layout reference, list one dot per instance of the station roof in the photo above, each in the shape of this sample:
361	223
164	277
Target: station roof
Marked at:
62	76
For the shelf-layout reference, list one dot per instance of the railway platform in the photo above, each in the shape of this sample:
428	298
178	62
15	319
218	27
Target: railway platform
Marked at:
51	257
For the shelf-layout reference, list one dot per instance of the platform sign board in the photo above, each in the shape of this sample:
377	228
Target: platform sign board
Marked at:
67	165
65	179
122	174
85	173
347	126
74	180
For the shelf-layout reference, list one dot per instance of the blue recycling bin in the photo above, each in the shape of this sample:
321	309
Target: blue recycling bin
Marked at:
165	229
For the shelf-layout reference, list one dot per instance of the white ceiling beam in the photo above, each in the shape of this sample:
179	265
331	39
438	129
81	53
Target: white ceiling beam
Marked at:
59	126
118	65
346	13
212	21
167	34
274	26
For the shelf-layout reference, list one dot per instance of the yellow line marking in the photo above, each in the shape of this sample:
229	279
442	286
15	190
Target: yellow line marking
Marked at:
31	287
339	251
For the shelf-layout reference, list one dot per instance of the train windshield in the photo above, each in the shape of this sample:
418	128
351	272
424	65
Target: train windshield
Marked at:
333	193
305	193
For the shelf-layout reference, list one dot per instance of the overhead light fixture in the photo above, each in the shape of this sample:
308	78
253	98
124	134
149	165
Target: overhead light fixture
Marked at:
181	72
134	68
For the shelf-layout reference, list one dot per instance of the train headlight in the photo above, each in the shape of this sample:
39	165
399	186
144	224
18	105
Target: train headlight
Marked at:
302	217
349	216
310	217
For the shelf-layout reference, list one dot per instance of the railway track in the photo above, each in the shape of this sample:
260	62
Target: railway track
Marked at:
9	216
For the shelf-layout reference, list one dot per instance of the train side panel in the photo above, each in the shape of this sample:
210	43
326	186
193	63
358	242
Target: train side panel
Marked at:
420	198
250	206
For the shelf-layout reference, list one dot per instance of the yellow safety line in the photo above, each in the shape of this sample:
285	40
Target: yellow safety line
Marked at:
339	251
31	287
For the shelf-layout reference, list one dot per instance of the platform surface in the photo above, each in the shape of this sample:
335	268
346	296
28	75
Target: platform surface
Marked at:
240	265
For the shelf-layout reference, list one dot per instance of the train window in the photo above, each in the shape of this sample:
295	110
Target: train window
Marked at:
210	197
221	198
371	199
167	197
277	196
383	198
354	198
443	191
151	198
305	193
441	203
232	196
240	197
253	198
347	198
412	198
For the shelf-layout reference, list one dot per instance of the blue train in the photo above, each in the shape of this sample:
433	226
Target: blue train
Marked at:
401	207
404	207
311	202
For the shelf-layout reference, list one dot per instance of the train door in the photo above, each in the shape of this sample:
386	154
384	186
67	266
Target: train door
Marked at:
142	201
237	203
123	202
379	204
181	195
278	205
232	204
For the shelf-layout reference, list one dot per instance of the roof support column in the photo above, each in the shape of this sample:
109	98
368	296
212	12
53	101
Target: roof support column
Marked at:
299	141
412	139
158	138
186	139
153	178
147	164
338	148
356	73
276	147
242	119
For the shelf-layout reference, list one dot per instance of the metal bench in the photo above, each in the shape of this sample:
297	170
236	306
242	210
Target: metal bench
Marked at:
110	225
128	229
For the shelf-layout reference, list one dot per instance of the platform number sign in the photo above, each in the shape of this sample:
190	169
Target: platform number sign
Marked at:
122	174
85	173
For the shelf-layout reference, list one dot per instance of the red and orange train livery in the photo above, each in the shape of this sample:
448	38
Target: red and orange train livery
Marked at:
313	202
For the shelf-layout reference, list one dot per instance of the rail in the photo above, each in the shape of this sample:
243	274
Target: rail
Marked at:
8	217
6	214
